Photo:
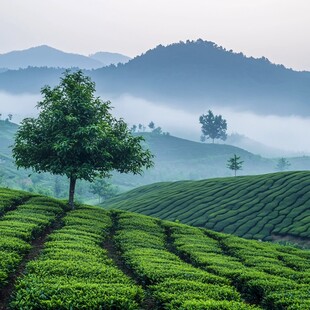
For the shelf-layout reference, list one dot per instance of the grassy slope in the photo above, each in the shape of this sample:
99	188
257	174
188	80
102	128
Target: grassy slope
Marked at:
168	265
179	159
175	159
250	206
7	132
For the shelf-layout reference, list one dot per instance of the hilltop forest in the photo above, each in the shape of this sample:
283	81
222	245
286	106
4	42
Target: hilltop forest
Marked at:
187	75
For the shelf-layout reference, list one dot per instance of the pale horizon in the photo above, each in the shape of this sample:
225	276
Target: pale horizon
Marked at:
273	29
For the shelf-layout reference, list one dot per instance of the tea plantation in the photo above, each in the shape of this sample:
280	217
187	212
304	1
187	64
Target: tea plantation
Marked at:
92	258
266	207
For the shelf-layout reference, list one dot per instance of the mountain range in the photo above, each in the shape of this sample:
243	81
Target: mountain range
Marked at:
46	56
189	75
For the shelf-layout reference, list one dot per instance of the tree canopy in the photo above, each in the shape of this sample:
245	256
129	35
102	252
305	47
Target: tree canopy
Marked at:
213	126
76	135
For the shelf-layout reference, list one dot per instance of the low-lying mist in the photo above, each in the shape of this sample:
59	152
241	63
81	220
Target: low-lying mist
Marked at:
20	106
286	133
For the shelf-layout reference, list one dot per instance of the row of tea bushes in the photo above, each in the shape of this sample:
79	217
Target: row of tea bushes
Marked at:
74	271
257	269
11	198
170	281
19	227
253	207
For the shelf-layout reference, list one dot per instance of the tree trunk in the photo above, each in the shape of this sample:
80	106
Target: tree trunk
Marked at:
71	192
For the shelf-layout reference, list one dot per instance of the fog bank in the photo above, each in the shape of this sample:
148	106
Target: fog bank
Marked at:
287	133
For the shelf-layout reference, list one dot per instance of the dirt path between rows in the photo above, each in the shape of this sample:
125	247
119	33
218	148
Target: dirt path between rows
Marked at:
113	253
36	247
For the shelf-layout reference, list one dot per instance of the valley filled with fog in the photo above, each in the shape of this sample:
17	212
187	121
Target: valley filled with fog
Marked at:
287	134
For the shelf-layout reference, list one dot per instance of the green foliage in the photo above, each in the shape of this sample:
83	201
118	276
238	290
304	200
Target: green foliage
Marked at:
74	272
213	126
256	269
234	163
20	226
266	207
172	282
75	135
179	267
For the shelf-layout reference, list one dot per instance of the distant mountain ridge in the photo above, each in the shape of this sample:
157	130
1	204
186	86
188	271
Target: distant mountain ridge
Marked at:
194	74
191	75
107	58
46	56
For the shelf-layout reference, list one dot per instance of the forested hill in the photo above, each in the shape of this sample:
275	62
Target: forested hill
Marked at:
193	73
190	75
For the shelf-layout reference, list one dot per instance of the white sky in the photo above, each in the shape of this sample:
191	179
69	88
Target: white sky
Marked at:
277	29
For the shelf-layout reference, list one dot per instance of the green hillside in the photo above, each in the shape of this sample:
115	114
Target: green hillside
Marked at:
268	207
180	159
91	258
7	132
175	159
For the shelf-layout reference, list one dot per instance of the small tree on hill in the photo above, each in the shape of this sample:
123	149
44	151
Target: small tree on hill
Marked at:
234	163
213	126
76	135
282	164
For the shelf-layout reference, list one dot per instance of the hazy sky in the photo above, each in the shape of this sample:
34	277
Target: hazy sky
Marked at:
277	29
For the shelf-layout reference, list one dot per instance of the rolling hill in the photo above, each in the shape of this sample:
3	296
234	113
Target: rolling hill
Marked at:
91	258
175	159
191	76
268	207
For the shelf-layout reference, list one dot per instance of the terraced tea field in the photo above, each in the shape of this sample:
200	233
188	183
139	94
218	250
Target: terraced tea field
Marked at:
267	207
91	258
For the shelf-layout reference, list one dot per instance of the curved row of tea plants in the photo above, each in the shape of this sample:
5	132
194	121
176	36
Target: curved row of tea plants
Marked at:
74	272
19	227
173	283
273	276
176	266
10	199
258	207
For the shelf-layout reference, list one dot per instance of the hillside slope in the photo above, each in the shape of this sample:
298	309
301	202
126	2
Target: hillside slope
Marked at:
175	159
190	76
264	207
90	258
7	132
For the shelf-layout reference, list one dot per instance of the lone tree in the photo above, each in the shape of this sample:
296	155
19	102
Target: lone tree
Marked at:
213	126
234	163
282	164
76	135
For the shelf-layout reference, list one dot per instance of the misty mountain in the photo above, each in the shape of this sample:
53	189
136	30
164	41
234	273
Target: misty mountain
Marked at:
46	56
193	76
196	74
256	147
108	59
